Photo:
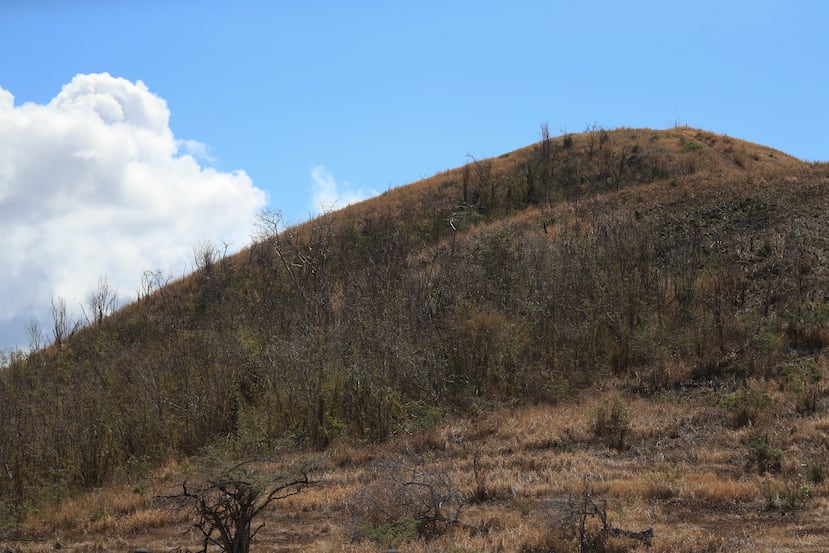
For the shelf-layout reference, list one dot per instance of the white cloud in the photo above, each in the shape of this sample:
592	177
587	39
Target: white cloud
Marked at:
94	183
196	149
327	194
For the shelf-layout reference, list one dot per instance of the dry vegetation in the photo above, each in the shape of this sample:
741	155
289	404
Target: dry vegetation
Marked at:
685	471
627	320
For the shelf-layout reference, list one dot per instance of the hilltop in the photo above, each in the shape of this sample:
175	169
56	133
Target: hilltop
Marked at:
641	313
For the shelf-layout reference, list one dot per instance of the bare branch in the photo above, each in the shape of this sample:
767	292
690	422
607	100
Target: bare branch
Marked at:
63	327
225	507
102	302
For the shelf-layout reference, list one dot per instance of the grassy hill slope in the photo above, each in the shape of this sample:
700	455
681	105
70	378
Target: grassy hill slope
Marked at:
632	264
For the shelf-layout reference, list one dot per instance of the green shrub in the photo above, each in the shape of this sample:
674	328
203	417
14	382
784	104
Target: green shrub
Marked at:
689	145
748	407
391	534
815	472
801	376
763	456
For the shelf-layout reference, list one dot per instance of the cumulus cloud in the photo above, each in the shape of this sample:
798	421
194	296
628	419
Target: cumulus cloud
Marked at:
198	150
95	184
328	194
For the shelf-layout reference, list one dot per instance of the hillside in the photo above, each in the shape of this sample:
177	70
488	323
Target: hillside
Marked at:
641	312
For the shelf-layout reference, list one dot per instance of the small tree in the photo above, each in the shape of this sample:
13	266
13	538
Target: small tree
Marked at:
63	327
225	507
102	302
35	335
152	281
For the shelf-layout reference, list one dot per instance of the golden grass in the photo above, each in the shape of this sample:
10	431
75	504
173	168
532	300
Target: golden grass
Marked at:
89	510
683	475
711	489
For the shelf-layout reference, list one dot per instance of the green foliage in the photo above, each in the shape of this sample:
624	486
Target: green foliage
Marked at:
763	456
815	472
768	340
487	350
391	534
748	407
806	329
802	377
422	415
689	145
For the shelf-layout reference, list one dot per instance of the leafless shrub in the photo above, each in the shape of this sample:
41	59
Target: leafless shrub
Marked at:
403	501
35	334
101	303
582	518
63	327
152	281
205	257
225	506
483	492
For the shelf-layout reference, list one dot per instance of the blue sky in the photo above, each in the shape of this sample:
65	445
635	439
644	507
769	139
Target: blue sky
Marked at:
309	102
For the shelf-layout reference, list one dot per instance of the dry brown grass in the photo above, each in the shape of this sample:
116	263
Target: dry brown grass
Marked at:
683	475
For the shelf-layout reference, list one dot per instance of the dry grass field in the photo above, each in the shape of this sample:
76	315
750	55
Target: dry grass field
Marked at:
680	463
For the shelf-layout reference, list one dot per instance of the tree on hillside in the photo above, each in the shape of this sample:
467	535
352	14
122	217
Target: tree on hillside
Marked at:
62	324
102	302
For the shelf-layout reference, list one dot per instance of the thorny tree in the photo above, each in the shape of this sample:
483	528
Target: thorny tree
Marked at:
226	506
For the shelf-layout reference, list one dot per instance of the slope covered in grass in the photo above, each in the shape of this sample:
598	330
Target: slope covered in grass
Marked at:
646	262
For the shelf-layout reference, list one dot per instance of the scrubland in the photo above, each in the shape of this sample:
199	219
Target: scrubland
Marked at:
553	350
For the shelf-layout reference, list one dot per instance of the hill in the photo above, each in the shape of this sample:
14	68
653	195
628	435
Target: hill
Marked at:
678	276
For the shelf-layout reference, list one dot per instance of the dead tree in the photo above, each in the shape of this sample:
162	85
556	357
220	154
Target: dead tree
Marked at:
585	518
224	508
63	327
102	302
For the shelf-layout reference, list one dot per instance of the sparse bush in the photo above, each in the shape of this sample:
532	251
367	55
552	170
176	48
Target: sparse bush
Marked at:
807	401
689	145
802	377
579	522
550	543
392	533
763	456
612	424
748	407
482	491
807	322
790	496
403	501
815	472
